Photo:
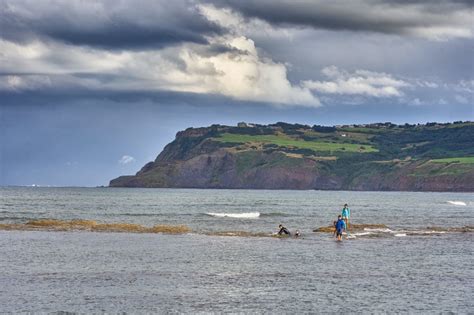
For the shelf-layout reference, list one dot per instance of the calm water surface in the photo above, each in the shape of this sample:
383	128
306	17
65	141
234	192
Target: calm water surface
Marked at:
74	271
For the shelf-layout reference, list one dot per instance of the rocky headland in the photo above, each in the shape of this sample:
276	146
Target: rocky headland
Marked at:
379	157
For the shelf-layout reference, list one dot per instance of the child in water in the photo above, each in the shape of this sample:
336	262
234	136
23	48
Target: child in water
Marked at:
340	226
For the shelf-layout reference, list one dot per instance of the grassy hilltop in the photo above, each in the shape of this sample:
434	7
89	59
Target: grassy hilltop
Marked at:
382	156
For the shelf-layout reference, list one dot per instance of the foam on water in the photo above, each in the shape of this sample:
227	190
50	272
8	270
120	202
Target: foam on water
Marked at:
378	230
457	203
241	234
276	214
362	233
426	232
245	215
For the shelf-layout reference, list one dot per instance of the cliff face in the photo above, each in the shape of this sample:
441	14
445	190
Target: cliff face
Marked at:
223	169
283	156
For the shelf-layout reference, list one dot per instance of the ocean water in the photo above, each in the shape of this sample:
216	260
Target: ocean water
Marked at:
420	263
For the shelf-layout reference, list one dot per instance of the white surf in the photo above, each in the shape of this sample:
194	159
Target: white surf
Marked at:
457	203
245	215
378	230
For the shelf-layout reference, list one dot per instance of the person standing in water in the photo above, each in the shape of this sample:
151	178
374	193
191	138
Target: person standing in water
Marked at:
339	227
346	214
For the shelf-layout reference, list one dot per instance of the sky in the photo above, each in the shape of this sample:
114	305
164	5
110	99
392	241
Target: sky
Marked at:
91	90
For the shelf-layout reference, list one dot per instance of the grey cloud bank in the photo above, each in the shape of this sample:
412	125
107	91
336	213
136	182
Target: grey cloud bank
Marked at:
205	47
139	24
430	19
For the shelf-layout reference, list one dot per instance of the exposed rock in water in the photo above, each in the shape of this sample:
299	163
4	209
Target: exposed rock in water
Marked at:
93	226
462	229
352	227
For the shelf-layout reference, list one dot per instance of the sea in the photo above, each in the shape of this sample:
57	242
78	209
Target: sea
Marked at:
94	250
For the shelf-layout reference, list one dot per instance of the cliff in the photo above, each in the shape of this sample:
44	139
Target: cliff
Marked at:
384	156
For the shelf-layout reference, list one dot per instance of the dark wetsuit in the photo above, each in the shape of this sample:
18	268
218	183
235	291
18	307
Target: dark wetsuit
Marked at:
284	230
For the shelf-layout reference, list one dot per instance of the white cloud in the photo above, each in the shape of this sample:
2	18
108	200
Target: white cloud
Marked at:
443	33
239	73
465	86
416	102
234	22
360	82
427	84
237	70
29	82
57	58
432	20
126	159
461	99
224	17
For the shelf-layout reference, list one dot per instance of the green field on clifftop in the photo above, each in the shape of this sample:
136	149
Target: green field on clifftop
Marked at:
285	141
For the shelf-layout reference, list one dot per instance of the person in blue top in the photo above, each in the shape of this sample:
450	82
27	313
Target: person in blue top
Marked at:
346	213
340	227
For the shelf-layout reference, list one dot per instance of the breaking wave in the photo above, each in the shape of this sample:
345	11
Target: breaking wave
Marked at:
245	215
240	233
457	203
383	230
276	214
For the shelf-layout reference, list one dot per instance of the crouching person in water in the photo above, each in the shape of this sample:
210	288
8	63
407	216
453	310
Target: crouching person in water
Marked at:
283	230
340	226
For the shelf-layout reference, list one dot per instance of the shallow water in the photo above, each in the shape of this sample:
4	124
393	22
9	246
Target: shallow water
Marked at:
80	271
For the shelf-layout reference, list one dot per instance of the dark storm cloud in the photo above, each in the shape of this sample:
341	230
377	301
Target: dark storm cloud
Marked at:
106	24
381	16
